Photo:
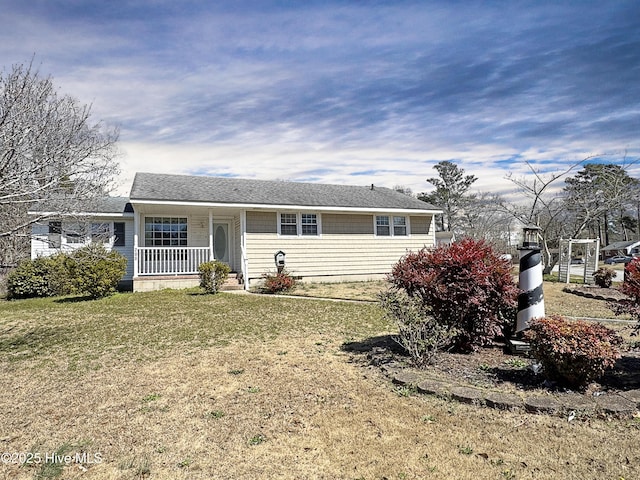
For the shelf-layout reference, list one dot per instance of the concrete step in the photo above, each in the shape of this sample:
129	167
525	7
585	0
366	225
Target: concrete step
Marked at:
233	282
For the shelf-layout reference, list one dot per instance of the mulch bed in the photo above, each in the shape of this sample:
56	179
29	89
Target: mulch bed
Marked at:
592	291
494	370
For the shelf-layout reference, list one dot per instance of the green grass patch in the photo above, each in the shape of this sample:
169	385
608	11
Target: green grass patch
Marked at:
137	326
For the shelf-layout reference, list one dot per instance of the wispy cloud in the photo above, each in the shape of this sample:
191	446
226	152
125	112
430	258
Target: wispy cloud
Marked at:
344	92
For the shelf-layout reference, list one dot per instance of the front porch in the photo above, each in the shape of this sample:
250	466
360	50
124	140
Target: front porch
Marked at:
171	243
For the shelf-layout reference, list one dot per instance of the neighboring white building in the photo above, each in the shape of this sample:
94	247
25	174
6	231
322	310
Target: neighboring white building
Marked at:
109	220
172	223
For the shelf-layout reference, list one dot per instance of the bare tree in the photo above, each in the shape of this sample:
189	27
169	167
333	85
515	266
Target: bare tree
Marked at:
484	218
52	157
600	195
545	207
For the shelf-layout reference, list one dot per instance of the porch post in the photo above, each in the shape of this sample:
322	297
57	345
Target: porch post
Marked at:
244	262
136	229
211	236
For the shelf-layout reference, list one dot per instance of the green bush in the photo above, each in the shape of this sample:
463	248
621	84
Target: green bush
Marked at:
95	271
604	277
418	331
572	353
40	277
91	270
213	275
279	282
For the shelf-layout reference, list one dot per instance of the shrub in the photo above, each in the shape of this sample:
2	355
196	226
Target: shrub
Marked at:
278	282
604	277
40	277
631	288
213	275
573	353
419	332
95	271
466	286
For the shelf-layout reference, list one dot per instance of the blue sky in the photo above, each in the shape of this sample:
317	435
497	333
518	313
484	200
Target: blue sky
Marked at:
350	92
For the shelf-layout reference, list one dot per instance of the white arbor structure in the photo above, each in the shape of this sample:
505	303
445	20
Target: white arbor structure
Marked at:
589	248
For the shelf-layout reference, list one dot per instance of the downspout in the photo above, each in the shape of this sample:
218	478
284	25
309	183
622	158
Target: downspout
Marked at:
136	253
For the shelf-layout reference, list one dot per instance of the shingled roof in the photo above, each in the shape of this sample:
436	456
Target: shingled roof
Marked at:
96	205
236	191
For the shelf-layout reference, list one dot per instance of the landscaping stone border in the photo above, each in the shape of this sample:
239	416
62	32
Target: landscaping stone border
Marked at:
623	404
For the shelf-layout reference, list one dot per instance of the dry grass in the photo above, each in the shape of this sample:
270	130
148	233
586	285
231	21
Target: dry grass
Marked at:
365	291
556	301
172	385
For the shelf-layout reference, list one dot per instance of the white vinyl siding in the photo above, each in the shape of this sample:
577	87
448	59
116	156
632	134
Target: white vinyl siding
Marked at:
338	252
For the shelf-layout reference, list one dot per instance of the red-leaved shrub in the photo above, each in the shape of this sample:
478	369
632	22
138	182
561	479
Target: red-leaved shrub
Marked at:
278	282
572	353
467	287
631	288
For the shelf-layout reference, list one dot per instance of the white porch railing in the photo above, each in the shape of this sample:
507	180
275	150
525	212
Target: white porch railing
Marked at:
170	260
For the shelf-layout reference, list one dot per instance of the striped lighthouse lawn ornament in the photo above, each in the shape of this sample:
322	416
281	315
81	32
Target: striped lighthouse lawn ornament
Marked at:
531	298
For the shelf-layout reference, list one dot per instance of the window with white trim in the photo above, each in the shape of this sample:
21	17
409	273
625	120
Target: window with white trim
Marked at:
382	226
165	232
299	224
289	224
309	224
399	226
119	234
391	226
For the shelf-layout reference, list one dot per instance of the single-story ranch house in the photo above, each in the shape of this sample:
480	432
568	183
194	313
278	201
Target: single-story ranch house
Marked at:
172	223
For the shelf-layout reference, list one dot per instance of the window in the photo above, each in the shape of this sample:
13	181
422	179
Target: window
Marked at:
55	228
387	226
75	232
399	226
288	224
165	232
118	233
309	224
296	224
55	234
382	226
99	232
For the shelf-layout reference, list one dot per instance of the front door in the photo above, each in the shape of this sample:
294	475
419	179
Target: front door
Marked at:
221	242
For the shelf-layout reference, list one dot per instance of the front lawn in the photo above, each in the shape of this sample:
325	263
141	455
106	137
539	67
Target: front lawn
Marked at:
556	300
174	385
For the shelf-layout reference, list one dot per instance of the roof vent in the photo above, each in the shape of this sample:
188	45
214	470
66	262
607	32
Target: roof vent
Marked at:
372	186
